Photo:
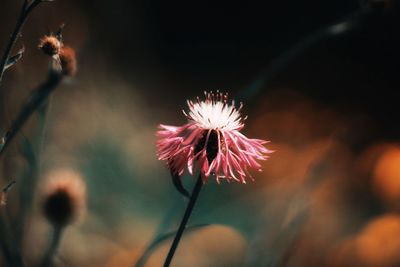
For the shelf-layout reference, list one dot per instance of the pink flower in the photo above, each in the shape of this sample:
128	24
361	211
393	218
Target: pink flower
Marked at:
211	141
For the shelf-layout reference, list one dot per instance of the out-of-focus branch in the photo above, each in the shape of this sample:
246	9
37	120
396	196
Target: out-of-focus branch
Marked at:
4	192
160	239
26	9
283	60
38	96
63	64
54	78
9	247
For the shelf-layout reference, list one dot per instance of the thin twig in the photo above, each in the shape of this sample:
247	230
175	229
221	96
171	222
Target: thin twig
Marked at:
160	239
26	9
282	61
4	192
161	230
185	219
9	247
27	189
37	98
54	78
32	151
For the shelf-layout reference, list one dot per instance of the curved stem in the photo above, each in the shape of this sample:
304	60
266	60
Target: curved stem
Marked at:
25	11
37	98
162	228
283	60
185	219
159	240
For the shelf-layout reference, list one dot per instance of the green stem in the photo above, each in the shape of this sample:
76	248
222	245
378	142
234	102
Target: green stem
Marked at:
185	219
160	232
52	250
32	152
37	98
7	243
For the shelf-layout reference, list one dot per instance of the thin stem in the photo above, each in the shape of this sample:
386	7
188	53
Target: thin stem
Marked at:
52	250
44	111
282	61
32	152
25	11
38	96
185	219
164	225
7	243
159	240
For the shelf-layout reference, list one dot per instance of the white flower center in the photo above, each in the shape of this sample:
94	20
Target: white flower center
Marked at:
215	113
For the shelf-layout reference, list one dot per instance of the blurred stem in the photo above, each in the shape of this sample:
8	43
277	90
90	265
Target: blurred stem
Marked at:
283	60
36	99
185	219
159	240
26	9
43	113
32	153
163	226
7	243
54	244
290	251
25	199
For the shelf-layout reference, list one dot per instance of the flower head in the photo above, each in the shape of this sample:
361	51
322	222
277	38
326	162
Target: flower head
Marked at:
64	56
50	45
211	141
68	61
64	198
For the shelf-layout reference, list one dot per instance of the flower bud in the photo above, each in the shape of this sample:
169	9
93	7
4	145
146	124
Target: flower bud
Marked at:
65	197
67	61
50	45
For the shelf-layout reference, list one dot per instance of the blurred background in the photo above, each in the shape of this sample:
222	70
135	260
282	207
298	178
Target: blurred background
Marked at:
319	79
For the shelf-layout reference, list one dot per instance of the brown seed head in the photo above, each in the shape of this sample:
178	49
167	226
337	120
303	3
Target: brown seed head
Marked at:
68	61
50	45
65	197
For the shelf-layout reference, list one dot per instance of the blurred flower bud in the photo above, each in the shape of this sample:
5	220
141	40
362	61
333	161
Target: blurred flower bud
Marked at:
50	45
67	61
65	197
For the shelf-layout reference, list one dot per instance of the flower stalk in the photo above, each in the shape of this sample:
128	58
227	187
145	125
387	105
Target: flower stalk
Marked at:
211	143
185	219
9	248
54	245
26	9
36	99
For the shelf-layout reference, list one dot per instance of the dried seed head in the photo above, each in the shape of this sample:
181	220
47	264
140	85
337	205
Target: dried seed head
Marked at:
50	45
67	61
65	197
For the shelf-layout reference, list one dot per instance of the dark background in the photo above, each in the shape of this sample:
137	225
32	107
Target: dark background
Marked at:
177	49
190	46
